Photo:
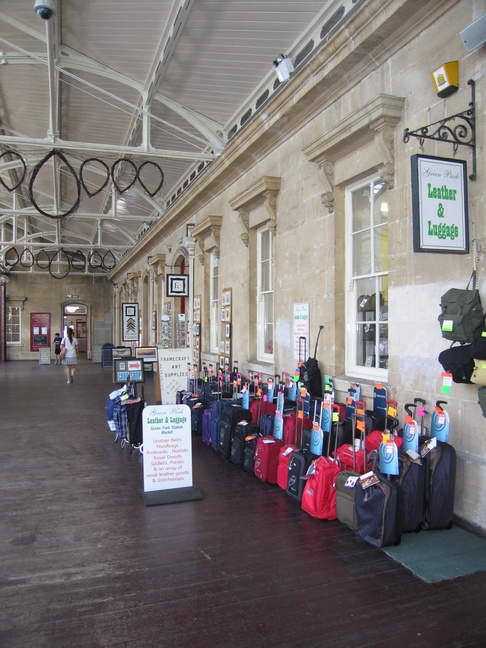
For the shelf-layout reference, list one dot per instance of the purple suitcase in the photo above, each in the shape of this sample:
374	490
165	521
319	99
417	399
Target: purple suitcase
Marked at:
206	428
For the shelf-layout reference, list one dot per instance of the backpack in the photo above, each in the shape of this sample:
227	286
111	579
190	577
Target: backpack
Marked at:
461	313
310	374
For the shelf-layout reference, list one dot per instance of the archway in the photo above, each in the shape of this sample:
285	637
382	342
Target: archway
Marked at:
75	315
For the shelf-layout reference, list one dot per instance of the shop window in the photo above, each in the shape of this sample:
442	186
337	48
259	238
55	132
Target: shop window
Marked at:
265	294
214	303
367	280
13	325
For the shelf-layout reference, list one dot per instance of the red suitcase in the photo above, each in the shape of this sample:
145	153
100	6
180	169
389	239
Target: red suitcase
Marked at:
294	423
266	459
283	465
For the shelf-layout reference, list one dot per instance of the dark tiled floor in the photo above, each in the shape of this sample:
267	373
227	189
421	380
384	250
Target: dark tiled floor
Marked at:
84	563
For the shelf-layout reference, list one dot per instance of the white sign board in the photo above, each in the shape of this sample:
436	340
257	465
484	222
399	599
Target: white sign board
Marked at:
301	328
167	450
173	373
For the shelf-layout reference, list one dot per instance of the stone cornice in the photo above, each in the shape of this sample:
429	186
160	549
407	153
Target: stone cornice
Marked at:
262	192
208	235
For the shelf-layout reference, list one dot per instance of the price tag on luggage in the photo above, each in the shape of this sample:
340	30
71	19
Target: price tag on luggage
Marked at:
446	382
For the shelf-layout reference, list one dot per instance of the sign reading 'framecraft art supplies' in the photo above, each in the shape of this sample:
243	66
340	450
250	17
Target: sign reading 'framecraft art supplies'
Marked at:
167	450
439	199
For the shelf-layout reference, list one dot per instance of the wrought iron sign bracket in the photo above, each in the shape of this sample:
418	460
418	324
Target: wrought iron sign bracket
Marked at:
458	130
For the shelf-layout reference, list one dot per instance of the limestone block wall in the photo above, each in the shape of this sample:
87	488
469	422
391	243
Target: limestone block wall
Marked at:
43	294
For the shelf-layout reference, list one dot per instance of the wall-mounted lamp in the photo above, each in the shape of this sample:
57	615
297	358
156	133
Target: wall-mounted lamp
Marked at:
446	78
167	248
283	67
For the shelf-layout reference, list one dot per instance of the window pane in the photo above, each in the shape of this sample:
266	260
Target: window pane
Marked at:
362	253
268	323
380	249
266	245
380	203
361	208
383	346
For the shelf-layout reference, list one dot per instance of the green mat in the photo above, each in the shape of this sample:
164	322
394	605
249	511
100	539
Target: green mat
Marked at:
438	555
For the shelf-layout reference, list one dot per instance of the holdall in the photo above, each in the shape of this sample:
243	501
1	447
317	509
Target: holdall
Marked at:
440	480
310	374
461	312
479	374
458	361
379	513
478	346
319	496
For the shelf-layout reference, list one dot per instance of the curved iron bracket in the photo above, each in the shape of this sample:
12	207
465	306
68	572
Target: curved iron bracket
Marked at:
458	130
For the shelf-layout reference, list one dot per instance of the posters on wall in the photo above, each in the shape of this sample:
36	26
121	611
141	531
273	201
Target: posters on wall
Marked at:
301	328
130	323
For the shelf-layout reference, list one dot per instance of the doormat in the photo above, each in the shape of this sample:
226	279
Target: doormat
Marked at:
439	555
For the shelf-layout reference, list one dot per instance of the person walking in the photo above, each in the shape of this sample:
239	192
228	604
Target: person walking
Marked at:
70	359
57	348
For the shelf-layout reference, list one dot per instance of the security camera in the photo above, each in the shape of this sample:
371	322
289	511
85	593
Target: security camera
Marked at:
45	9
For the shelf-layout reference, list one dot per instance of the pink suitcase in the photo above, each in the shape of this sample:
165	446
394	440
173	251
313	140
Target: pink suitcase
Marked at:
266	459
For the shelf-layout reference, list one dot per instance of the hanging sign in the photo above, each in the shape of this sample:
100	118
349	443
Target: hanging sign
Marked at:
439	202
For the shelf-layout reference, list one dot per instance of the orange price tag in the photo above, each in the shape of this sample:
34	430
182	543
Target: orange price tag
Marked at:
360	425
300	414
259	392
378	386
349	401
408	419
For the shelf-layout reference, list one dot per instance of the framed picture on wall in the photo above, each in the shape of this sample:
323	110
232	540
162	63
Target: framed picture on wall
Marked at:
227	330
130	323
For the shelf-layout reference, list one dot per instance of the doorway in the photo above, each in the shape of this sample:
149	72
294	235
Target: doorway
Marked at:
75	316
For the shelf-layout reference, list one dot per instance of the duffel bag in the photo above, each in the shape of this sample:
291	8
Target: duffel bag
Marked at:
458	361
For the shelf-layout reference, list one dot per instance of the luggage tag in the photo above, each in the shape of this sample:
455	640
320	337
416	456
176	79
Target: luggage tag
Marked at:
414	457
368	479
429	445
351	481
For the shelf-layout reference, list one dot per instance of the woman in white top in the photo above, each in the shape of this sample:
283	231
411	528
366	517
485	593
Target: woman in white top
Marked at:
70	359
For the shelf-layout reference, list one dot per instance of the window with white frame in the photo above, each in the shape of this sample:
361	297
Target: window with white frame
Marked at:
265	294
367	279
13	325
214	303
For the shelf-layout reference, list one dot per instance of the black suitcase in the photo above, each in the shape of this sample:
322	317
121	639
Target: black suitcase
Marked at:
231	415
440	483
299	462
379	513
242	430
412	482
249	452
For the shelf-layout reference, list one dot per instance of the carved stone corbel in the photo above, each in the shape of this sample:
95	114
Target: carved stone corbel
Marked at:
216	233
208	235
325	171
271	207
245	221
384	141
201	247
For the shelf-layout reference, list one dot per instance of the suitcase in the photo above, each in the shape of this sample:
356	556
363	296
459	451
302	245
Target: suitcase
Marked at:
266	459
346	482
294	423
231	415
242	430
249	452
319	494
299	463
283	465
206	427
440	482
216	409
379	512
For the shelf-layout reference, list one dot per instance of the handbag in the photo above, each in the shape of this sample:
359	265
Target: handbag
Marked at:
63	353
461	312
479	374
458	361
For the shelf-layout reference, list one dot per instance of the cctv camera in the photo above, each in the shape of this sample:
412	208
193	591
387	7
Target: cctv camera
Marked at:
45	9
